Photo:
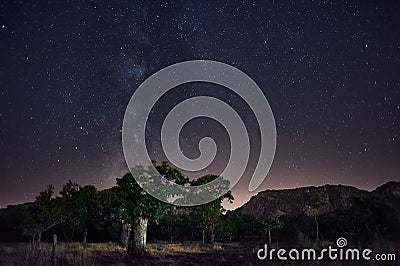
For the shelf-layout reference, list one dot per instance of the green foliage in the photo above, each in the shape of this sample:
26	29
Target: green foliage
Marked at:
210	214
135	202
79	205
231	227
368	218
46	211
189	223
272	223
16	222
171	174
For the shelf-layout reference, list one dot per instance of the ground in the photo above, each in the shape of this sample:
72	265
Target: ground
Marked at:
112	254
243	253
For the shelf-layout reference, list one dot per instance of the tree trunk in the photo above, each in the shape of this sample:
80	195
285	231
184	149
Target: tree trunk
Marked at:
37	240
37	245
84	238
269	236
137	240
212	238
125	233
317	227
170	234
54	250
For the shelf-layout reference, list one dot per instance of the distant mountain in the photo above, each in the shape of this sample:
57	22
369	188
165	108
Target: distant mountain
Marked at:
299	200
338	210
390	189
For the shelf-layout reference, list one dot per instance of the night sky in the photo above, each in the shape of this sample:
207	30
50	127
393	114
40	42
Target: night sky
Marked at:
330	71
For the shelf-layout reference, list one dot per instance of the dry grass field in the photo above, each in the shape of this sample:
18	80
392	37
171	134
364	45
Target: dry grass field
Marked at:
243	253
112	254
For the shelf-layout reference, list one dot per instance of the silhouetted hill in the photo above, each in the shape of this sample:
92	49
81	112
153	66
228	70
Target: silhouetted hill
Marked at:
300	200
338	210
389	189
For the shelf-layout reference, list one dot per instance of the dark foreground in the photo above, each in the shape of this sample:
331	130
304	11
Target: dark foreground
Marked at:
159	254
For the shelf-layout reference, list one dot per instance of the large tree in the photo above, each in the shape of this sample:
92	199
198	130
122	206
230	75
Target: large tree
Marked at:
265	225
139	207
79	206
210	213
317	206
46	213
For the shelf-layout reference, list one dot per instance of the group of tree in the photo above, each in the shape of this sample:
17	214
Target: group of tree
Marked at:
125	213
121	213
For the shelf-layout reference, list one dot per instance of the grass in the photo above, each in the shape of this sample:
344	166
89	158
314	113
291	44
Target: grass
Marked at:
66	254
161	253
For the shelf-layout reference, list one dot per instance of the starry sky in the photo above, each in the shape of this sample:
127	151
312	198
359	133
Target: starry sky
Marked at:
330	71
